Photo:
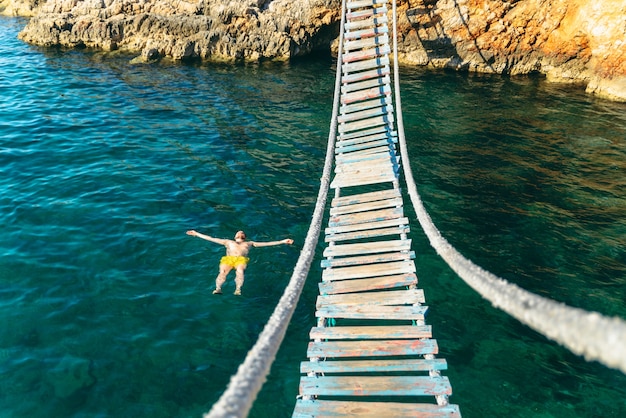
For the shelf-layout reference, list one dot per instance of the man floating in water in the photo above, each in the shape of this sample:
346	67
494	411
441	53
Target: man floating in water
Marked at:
236	257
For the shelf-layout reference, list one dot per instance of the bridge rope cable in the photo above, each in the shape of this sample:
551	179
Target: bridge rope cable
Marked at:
244	386
590	334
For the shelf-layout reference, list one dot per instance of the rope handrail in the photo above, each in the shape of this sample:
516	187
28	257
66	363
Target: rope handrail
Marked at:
590	334
244	386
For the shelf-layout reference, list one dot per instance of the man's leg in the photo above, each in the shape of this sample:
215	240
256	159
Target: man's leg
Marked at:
221	278
239	278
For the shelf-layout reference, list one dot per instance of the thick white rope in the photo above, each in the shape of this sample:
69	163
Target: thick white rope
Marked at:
243	388
590	334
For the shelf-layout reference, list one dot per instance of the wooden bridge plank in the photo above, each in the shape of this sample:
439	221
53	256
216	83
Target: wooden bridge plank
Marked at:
367	32
363	272
366	94
374	386
364	217
353	25
367	234
341	143
366	132
378	100
371	332
367	84
366	144
365	197
368	247
358	227
327	408
372	312
365	43
357	4
371	348
371	64
366	54
382	298
367	259
350	75
373	366
362	14
370	154
342	181
360	207
351	126
362	285
365	114
373	164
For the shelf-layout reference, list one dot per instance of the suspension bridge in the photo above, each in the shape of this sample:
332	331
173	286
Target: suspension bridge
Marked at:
371	352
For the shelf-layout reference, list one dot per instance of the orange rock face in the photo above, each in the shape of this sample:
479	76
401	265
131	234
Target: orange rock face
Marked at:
578	41
568	40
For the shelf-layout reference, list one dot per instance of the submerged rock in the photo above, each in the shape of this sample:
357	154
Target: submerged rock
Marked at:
69	376
574	41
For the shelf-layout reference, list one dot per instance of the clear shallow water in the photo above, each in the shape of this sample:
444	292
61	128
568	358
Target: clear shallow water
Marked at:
105	303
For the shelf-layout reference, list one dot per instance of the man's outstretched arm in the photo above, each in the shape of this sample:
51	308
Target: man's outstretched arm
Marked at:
206	237
287	241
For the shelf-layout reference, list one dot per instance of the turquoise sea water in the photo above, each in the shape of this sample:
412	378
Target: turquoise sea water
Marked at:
105	304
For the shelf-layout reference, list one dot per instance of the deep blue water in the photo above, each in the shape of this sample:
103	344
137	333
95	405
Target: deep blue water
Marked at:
106	304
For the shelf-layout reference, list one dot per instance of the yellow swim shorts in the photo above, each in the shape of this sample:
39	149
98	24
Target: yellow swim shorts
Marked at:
234	260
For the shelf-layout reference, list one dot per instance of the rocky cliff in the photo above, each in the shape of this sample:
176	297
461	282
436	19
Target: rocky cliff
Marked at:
581	41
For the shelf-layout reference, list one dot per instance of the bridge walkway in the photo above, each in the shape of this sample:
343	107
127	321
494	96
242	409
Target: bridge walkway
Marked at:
371	353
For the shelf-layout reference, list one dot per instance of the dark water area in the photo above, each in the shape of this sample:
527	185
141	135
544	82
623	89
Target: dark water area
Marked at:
106	306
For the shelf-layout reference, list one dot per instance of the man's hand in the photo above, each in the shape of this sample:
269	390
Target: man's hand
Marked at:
288	241
192	233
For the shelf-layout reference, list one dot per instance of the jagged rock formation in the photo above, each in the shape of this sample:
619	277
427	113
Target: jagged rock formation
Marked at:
582	41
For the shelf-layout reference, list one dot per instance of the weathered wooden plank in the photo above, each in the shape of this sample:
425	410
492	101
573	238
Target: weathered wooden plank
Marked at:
373	366
386	119
361	207
403	221
354	25
366	54
368	247
382	298
365	197
350	75
368	168
367	84
367	259
362	285
378	100
369	154
365	114
382	93
357	4
348	181
363	272
365	43
366	94
367	234
371	64
371	348
366	132
364	33
374	385
367	146
362	14
364	217
372	312
366	138
372	166
390	332
325	408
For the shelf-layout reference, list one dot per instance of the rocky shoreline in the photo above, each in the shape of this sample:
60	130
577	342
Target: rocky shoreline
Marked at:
573	41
